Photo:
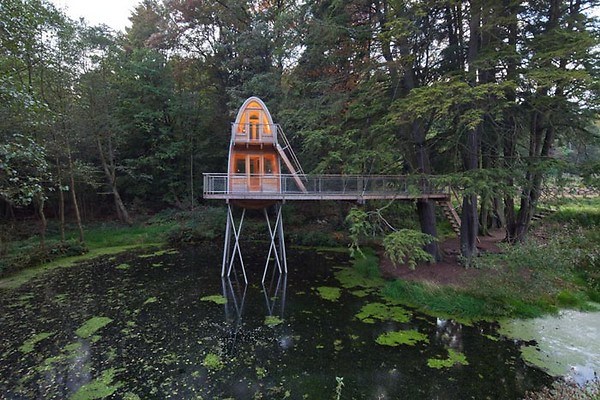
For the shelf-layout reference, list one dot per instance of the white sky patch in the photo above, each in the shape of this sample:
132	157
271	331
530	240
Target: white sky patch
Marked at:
114	13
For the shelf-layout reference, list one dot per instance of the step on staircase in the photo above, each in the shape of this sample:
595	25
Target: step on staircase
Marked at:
541	213
451	215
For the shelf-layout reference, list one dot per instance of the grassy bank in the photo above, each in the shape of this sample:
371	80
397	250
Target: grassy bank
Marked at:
24	259
557	267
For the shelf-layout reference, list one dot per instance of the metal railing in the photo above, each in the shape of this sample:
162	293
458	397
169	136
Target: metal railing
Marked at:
341	187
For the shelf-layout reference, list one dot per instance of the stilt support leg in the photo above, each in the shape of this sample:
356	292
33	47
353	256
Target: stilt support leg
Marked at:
277	248
230	256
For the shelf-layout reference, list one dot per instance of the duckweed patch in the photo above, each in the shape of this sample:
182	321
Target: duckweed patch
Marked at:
329	293
30	343
454	358
123	266
371	312
159	253
213	362
215	298
396	338
272	320
91	326
99	388
351	278
151	300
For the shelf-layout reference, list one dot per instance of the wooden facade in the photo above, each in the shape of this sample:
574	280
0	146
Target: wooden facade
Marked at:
254	161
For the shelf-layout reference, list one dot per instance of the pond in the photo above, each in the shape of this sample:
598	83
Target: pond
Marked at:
164	325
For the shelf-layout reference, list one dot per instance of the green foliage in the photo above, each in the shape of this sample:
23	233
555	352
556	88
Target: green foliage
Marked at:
406	246
359	228
24	171
27	254
205	223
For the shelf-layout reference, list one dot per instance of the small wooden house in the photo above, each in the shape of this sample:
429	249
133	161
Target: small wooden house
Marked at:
254	160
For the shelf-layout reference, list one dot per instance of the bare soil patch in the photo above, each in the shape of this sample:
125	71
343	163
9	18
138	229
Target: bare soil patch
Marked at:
447	272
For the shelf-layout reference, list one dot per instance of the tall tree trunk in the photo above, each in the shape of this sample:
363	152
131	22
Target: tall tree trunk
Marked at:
40	203
469	219
109	168
74	194
61	200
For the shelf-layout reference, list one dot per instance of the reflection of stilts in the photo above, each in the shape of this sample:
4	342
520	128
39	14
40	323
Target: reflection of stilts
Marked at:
271	297
234	307
276	247
234	299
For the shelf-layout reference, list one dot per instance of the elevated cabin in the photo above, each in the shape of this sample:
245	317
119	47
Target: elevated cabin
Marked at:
254	164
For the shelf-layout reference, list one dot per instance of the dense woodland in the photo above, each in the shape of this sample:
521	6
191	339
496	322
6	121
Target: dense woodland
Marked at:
491	96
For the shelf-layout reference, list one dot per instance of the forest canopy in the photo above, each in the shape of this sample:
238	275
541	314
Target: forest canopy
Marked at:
492	96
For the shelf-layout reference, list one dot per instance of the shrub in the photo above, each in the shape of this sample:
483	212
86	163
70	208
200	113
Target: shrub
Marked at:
406	246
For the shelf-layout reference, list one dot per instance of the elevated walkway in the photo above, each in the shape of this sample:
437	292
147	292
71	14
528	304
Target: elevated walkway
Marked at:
359	188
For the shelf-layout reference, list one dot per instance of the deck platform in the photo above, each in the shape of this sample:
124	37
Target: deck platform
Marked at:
359	188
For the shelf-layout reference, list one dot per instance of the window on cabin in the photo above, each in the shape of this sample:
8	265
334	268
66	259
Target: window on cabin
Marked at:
240	165
269	166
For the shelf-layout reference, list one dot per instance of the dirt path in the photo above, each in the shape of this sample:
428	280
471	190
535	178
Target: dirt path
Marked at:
447	272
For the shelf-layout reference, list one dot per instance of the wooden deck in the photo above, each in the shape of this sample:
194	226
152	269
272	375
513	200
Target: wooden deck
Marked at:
359	188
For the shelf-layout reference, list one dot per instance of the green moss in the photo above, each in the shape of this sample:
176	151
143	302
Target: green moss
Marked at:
99	388
91	326
213	362
216	298
454	358
329	293
396	338
378	311
30	343
272	320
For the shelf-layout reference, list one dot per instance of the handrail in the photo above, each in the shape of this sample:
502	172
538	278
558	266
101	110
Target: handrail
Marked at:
288	146
260	186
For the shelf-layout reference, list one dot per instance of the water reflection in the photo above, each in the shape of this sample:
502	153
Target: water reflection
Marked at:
275	294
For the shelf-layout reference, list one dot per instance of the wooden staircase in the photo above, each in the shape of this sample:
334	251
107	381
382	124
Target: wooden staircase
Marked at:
451	215
541	213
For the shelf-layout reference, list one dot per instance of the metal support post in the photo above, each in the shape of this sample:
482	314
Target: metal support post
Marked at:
231	256
279	248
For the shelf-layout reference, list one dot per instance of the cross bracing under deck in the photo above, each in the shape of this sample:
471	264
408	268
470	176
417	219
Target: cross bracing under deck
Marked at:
284	187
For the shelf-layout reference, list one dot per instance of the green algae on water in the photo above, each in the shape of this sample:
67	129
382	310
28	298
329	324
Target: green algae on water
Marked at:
216	298
454	358
99	388
329	293
350	278
30	343
91	326
213	362
151	300
123	266
378	311
396	338
272	320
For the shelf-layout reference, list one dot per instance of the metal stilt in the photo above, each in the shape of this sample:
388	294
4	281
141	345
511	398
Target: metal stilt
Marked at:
231	256
227	241
277	231
282	253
